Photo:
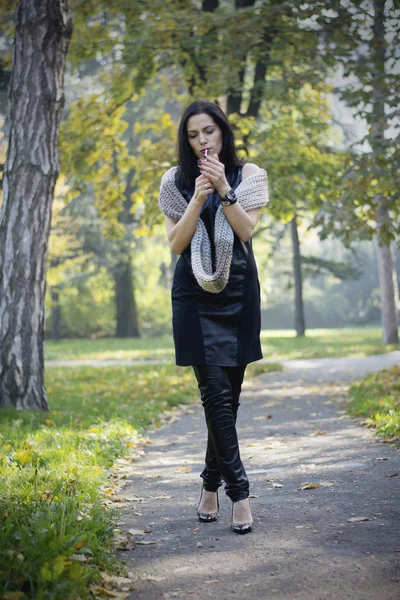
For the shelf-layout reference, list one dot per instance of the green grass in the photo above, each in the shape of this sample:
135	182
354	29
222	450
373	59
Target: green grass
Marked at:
377	398
55	472
323	343
276	344
53	467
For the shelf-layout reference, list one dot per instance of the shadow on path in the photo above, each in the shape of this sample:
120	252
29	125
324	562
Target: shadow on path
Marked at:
293	431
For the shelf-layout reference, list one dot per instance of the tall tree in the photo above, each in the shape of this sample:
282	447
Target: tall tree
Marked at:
42	32
363	37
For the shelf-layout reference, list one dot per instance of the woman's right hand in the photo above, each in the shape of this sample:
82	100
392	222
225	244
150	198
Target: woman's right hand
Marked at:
203	187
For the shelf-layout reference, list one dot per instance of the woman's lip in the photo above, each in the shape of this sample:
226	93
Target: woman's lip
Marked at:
204	150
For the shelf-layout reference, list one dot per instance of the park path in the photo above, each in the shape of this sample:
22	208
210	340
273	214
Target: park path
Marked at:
358	366
293	431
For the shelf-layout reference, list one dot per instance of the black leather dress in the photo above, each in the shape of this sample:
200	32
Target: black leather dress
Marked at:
217	329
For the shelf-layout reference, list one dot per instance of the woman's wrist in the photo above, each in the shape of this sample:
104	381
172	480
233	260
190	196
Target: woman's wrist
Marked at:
224	189
196	200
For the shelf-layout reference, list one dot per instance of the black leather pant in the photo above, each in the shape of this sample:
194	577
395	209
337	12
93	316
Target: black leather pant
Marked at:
220	389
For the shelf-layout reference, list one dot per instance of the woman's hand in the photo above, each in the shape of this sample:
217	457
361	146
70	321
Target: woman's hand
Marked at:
215	171
203	187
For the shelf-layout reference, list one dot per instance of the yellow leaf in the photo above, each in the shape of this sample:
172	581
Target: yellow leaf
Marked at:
79	545
308	486
183	470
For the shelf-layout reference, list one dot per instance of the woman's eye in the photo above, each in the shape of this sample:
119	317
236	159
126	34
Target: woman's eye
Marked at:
209	130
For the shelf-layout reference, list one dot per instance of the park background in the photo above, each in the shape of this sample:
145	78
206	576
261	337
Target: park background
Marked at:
312	90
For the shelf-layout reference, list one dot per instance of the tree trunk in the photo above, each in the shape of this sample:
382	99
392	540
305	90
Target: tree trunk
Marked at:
125	302
387	292
42	33
55	315
234	98
377	140
393	250
299	321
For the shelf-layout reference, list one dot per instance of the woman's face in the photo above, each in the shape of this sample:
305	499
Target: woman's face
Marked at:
204	133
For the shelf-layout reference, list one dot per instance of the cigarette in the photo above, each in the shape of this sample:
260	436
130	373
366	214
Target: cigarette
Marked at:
205	152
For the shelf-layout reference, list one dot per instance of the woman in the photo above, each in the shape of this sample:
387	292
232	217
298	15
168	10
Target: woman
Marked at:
211	204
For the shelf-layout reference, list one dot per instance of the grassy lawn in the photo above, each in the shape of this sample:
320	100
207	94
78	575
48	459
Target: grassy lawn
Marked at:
377	398
277	344
56	527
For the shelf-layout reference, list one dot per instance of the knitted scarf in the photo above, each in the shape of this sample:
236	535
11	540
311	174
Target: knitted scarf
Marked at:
251	193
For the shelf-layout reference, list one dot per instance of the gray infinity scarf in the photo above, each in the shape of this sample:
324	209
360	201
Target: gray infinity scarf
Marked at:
251	193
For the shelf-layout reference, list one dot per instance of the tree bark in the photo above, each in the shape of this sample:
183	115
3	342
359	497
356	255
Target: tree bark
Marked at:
299	321
55	315
387	293
234	99
125	302
377	140
260	73
42	32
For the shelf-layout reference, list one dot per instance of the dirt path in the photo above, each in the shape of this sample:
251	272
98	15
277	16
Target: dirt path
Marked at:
293	431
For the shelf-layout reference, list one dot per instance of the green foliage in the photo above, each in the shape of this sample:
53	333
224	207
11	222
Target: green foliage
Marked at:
293	140
362	37
87	307
95	156
53	469
377	398
315	266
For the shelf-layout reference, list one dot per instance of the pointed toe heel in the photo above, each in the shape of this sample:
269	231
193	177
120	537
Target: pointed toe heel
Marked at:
207	517
240	528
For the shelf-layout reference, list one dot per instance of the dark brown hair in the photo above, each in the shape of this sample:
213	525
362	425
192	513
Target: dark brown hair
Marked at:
188	169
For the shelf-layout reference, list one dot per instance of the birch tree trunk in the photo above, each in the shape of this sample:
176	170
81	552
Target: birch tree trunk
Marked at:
377	141
42	32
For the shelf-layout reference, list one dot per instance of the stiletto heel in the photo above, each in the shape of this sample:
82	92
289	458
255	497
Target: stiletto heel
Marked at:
207	517
240	527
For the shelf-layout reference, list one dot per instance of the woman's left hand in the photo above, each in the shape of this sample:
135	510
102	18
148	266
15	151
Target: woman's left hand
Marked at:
215	172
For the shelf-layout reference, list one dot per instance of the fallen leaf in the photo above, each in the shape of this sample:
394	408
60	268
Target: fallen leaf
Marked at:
183	470
391	475
308	486
124	542
122	583
101	592
382	458
152	578
357	519
137	531
145	542
79	557
181	569
162	498
277	485
134	499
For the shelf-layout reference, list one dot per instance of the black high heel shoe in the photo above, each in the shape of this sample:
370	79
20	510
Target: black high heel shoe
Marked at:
207	517
240	527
